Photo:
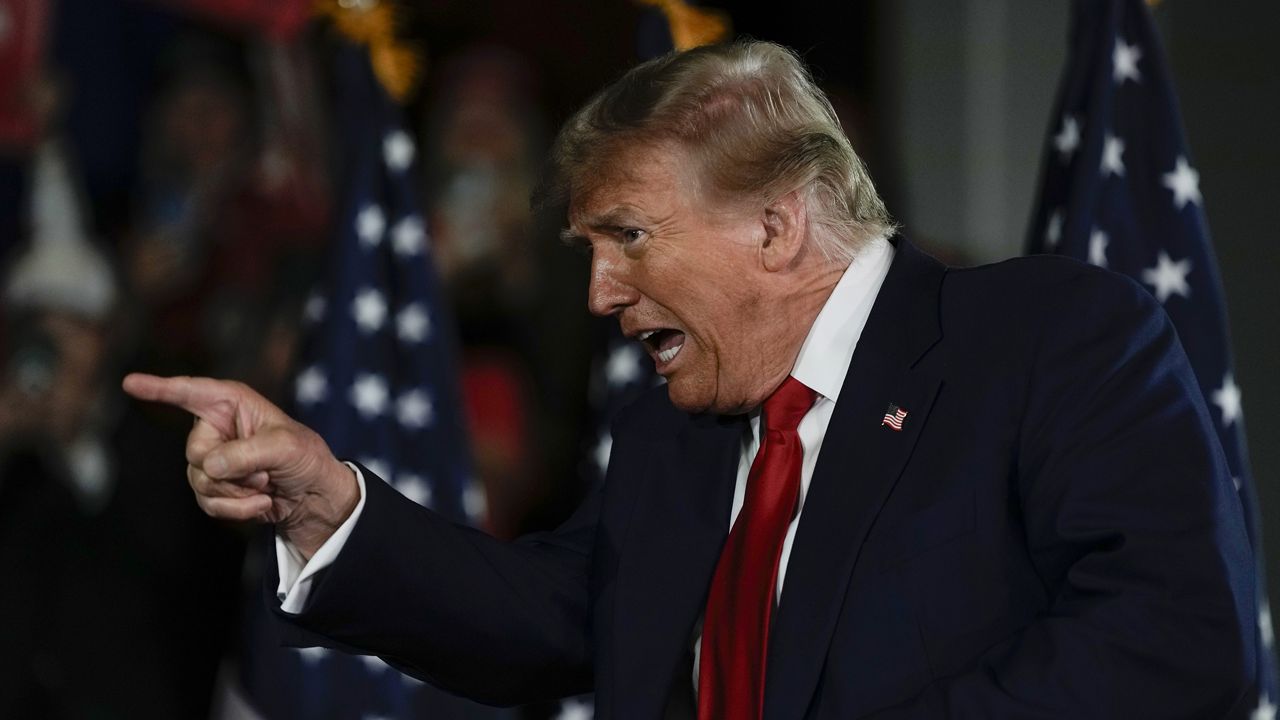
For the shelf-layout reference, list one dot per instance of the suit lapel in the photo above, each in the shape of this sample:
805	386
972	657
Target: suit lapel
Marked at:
682	519
859	464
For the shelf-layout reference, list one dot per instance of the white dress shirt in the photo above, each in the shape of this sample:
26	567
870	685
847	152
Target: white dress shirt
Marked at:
821	365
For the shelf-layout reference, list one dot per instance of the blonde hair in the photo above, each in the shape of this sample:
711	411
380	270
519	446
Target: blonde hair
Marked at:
754	122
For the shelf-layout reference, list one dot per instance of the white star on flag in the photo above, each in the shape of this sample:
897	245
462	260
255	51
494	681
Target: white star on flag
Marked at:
1098	247
369	395
1184	181
1264	625
408	236
377	466
412	323
1168	277
1266	710
623	365
312	655
1068	138
603	449
415	488
1124	62
369	310
370	224
1053	233
311	386
313	311
1112	162
1227	397
414	409
398	150
474	501
574	709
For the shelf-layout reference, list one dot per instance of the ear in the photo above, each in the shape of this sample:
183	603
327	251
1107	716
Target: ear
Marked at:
786	229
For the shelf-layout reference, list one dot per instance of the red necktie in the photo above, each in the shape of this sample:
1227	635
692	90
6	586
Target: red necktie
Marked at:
735	629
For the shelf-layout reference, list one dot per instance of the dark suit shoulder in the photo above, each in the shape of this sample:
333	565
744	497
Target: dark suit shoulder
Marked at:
1031	288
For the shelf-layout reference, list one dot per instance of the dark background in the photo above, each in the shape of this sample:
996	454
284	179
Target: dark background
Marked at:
949	104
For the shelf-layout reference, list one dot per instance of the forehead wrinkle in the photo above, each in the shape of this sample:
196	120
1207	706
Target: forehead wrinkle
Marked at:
610	220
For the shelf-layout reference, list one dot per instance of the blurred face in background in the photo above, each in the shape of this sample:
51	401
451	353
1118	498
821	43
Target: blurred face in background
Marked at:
483	132
203	122
52	376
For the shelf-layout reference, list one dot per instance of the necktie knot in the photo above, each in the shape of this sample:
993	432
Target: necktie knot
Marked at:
787	406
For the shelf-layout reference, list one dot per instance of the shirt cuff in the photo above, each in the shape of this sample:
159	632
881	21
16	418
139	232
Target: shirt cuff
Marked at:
296	573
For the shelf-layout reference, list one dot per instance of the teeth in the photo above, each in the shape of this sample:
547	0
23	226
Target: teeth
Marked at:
645	335
666	355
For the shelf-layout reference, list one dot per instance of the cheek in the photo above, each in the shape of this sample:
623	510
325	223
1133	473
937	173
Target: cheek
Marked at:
739	312
728	337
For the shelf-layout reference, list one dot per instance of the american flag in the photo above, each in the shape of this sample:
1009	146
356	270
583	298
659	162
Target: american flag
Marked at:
894	416
1120	191
378	381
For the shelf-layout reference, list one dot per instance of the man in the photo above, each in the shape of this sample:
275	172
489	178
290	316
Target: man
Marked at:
977	493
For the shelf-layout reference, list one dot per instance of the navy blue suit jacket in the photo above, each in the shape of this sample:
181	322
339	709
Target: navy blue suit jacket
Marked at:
1052	534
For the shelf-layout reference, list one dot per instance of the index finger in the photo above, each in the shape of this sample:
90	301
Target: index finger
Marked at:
198	396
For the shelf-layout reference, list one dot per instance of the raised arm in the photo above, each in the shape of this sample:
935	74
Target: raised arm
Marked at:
500	623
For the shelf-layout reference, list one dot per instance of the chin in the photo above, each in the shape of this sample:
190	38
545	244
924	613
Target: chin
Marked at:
692	400
697	398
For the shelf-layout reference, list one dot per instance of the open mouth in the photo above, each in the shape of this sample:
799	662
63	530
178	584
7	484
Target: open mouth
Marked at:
663	344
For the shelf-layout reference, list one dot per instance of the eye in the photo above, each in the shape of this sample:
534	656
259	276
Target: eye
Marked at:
631	235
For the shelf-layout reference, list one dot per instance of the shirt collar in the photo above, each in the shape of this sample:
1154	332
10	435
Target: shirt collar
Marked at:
828	349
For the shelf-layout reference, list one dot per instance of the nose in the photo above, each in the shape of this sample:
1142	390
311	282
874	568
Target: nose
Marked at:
610	289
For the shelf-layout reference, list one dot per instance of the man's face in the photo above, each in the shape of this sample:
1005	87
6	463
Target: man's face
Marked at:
685	277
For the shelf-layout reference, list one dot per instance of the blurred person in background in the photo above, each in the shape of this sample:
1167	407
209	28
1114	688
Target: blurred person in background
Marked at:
230	216
53	469
95	546
485	137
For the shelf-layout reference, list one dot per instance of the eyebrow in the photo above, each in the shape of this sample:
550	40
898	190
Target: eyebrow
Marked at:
612	221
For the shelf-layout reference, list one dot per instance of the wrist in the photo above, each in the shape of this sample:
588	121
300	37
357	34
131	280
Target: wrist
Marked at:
325	506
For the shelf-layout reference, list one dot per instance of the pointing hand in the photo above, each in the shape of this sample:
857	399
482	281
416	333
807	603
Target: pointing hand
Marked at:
248	460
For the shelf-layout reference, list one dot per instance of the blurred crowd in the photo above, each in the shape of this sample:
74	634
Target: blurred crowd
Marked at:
165	206
169	181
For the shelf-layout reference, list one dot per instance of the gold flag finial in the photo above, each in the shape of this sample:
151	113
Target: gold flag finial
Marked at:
372	23
692	26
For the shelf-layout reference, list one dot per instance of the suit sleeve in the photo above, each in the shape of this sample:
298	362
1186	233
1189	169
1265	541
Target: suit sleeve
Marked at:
501	623
1132	524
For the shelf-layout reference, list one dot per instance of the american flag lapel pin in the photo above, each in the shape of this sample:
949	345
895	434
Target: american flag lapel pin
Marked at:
894	417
